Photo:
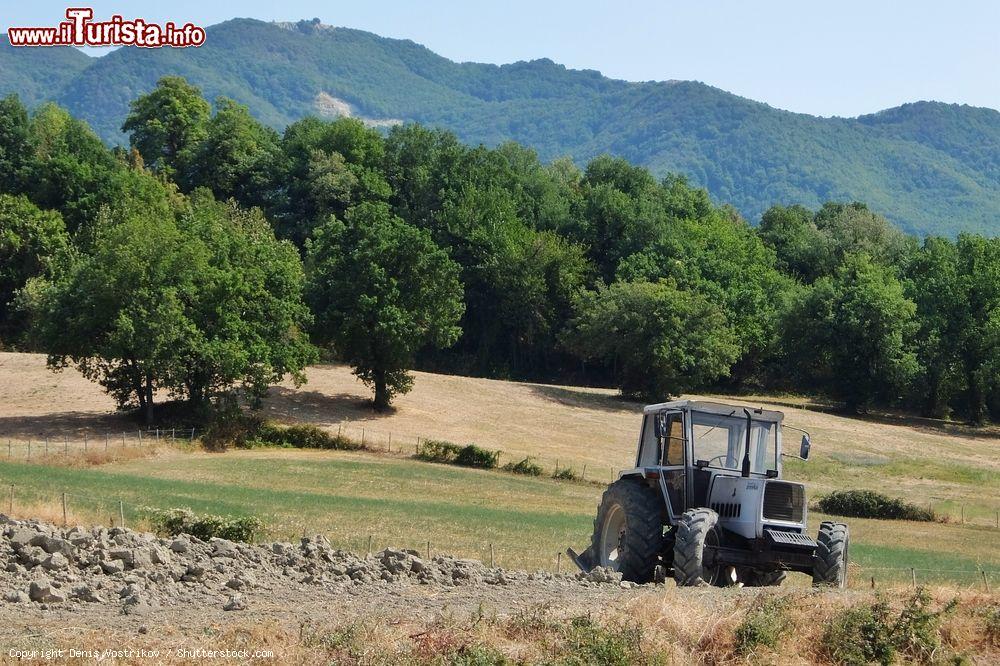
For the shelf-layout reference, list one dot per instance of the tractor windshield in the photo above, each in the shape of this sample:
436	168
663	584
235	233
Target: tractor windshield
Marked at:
720	441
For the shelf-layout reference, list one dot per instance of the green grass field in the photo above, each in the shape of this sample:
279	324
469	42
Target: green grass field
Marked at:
402	502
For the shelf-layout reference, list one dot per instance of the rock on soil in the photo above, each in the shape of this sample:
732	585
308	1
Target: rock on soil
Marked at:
57	567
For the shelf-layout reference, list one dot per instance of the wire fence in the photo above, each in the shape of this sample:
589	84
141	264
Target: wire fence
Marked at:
65	508
45	445
75	443
409	443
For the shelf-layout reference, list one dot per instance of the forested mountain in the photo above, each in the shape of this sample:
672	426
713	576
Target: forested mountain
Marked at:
931	168
36	75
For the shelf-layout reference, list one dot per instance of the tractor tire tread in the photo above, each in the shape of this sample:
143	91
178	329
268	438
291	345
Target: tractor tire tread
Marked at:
644	528
830	559
692	529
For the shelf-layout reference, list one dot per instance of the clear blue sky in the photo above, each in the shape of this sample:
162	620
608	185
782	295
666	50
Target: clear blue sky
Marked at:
826	58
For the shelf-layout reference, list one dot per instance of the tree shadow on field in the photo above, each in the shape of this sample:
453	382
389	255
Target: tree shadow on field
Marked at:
287	404
72	425
876	416
582	398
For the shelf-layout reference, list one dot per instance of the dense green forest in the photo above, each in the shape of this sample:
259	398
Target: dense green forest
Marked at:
215	253
931	168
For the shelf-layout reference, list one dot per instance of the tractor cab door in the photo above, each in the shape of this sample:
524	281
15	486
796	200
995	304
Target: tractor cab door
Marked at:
672	449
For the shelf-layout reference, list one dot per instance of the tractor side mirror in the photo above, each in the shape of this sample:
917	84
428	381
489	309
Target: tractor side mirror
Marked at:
804	448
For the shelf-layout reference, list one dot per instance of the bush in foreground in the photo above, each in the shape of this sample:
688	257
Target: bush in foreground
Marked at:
871	504
873	633
205	527
448	453
763	625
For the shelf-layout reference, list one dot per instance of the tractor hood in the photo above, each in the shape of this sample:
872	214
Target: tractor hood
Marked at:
746	506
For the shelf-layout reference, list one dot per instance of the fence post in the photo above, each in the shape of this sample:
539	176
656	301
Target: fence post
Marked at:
362	438
173	435
986	581
583	477
46	446
428	549
492	557
29	448
121	513
913	576
8	448
140	436
192	435
123	440
559	562
369	544
84	442
963	514
390	441
64	508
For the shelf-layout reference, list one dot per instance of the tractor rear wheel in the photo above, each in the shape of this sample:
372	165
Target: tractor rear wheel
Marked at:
831	557
696	529
628	530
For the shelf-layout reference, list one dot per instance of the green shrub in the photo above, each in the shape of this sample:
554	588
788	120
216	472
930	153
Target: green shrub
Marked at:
871	633
528	467
992	625
184	521
871	504
861	635
917	631
230	426
764	624
477	655
590	643
448	453
304	437
473	456
565	474
439	451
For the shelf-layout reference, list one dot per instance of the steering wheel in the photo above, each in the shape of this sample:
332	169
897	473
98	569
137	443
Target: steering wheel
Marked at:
720	458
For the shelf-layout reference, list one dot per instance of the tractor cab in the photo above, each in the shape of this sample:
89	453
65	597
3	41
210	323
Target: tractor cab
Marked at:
688	443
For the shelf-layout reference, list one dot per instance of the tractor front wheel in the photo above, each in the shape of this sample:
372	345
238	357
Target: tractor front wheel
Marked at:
696	529
831	557
628	531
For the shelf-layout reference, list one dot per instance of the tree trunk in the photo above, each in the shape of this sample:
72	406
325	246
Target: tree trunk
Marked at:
932	408
977	400
149	399
381	392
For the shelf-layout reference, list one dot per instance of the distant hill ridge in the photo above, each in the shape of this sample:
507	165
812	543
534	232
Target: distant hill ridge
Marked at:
932	168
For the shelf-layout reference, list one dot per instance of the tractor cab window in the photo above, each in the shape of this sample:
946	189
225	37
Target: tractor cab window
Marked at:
720	440
673	442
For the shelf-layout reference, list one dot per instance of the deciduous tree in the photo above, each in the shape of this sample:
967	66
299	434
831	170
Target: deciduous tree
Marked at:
381	290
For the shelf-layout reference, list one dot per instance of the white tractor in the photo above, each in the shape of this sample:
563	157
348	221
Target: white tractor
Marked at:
706	503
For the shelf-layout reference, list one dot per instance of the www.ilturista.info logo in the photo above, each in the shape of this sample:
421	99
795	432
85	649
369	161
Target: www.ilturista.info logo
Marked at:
80	30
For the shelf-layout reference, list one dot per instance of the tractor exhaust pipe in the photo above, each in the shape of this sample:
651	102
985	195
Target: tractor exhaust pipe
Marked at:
745	472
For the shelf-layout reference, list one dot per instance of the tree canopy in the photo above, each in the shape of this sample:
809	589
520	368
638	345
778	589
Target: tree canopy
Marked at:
424	252
381	289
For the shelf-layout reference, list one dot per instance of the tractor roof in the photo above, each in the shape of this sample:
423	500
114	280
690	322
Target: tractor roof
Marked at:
759	414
